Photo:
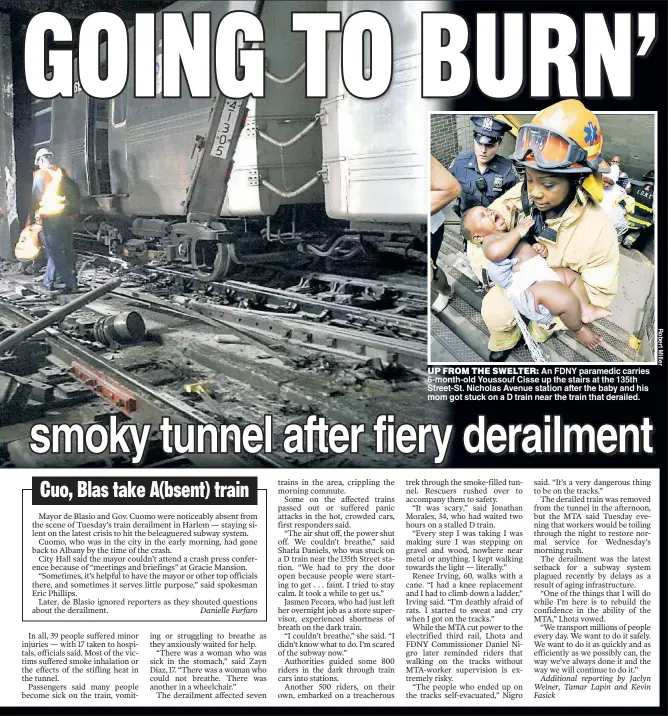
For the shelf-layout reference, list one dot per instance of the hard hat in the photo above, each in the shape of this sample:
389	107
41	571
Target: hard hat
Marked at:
43	152
565	138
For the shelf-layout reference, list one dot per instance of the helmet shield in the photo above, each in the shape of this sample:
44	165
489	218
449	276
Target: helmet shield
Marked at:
550	149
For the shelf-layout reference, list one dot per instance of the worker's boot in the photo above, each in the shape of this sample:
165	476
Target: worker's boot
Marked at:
499	356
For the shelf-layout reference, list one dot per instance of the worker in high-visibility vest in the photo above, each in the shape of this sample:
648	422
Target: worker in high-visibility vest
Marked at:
49	207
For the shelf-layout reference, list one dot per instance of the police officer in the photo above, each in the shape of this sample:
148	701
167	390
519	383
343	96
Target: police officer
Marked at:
444	188
483	175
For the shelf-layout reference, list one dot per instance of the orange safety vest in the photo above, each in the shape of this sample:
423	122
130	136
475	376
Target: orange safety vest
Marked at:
51	203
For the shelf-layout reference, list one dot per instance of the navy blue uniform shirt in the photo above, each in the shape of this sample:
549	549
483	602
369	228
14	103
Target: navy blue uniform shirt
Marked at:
498	177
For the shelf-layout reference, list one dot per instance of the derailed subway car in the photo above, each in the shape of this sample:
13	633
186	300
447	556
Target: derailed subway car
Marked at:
302	166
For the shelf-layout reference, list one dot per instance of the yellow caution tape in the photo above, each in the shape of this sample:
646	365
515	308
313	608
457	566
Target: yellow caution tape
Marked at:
634	343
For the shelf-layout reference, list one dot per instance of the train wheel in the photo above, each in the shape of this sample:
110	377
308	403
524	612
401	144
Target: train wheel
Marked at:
210	260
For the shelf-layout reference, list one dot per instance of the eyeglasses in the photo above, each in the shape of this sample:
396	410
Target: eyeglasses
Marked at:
551	149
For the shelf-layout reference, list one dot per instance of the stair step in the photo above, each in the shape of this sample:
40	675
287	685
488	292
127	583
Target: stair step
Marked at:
617	342
448	347
561	346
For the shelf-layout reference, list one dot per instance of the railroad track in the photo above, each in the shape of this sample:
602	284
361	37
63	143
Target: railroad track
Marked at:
139	400
271	368
359	317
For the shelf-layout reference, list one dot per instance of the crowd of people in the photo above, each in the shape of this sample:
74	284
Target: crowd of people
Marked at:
541	227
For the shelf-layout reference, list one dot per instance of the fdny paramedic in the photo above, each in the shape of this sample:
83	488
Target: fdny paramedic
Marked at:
49	208
560	150
482	173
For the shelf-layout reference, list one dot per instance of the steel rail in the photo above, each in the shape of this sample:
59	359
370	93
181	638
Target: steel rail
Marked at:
152	405
396	324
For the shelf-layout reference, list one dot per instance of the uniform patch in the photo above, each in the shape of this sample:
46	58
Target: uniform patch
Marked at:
498	183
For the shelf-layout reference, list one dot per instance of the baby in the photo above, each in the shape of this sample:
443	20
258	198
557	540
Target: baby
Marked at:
560	289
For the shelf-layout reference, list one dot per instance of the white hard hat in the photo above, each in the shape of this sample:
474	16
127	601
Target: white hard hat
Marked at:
43	152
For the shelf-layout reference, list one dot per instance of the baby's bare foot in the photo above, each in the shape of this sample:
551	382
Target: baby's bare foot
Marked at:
588	338
591	313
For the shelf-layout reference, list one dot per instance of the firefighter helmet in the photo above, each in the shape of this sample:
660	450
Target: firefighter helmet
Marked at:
565	138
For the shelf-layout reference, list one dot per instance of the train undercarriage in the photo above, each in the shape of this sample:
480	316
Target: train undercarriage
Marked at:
215	250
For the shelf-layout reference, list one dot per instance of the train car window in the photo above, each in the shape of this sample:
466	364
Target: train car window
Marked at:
120	110
41	126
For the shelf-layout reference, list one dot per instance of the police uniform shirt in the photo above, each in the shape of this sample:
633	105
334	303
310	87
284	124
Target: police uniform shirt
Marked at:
498	178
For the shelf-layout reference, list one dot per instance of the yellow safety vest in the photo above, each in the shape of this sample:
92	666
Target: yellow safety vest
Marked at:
51	202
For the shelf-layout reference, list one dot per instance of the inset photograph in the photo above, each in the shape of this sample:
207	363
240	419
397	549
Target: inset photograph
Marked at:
547	253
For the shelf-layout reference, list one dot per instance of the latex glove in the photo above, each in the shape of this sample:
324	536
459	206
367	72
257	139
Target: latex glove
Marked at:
528	308
501	272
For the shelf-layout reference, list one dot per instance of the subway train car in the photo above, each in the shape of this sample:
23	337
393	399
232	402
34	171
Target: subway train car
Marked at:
302	166
375	150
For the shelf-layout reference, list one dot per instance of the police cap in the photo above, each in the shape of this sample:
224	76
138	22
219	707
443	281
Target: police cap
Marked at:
488	130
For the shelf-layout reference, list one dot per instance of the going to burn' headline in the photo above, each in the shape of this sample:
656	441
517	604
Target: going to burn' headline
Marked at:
231	54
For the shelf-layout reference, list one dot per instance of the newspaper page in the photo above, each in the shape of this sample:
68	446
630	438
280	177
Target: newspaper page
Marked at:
331	344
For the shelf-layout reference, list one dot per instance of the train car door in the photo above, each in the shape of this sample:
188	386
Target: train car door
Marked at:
118	159
97	147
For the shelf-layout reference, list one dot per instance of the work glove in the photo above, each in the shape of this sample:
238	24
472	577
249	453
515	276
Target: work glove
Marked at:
527	307
501	272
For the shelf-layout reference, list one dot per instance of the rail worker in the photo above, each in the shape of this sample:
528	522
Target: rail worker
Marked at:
483	174
560	150
623	179
52	208
444	188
